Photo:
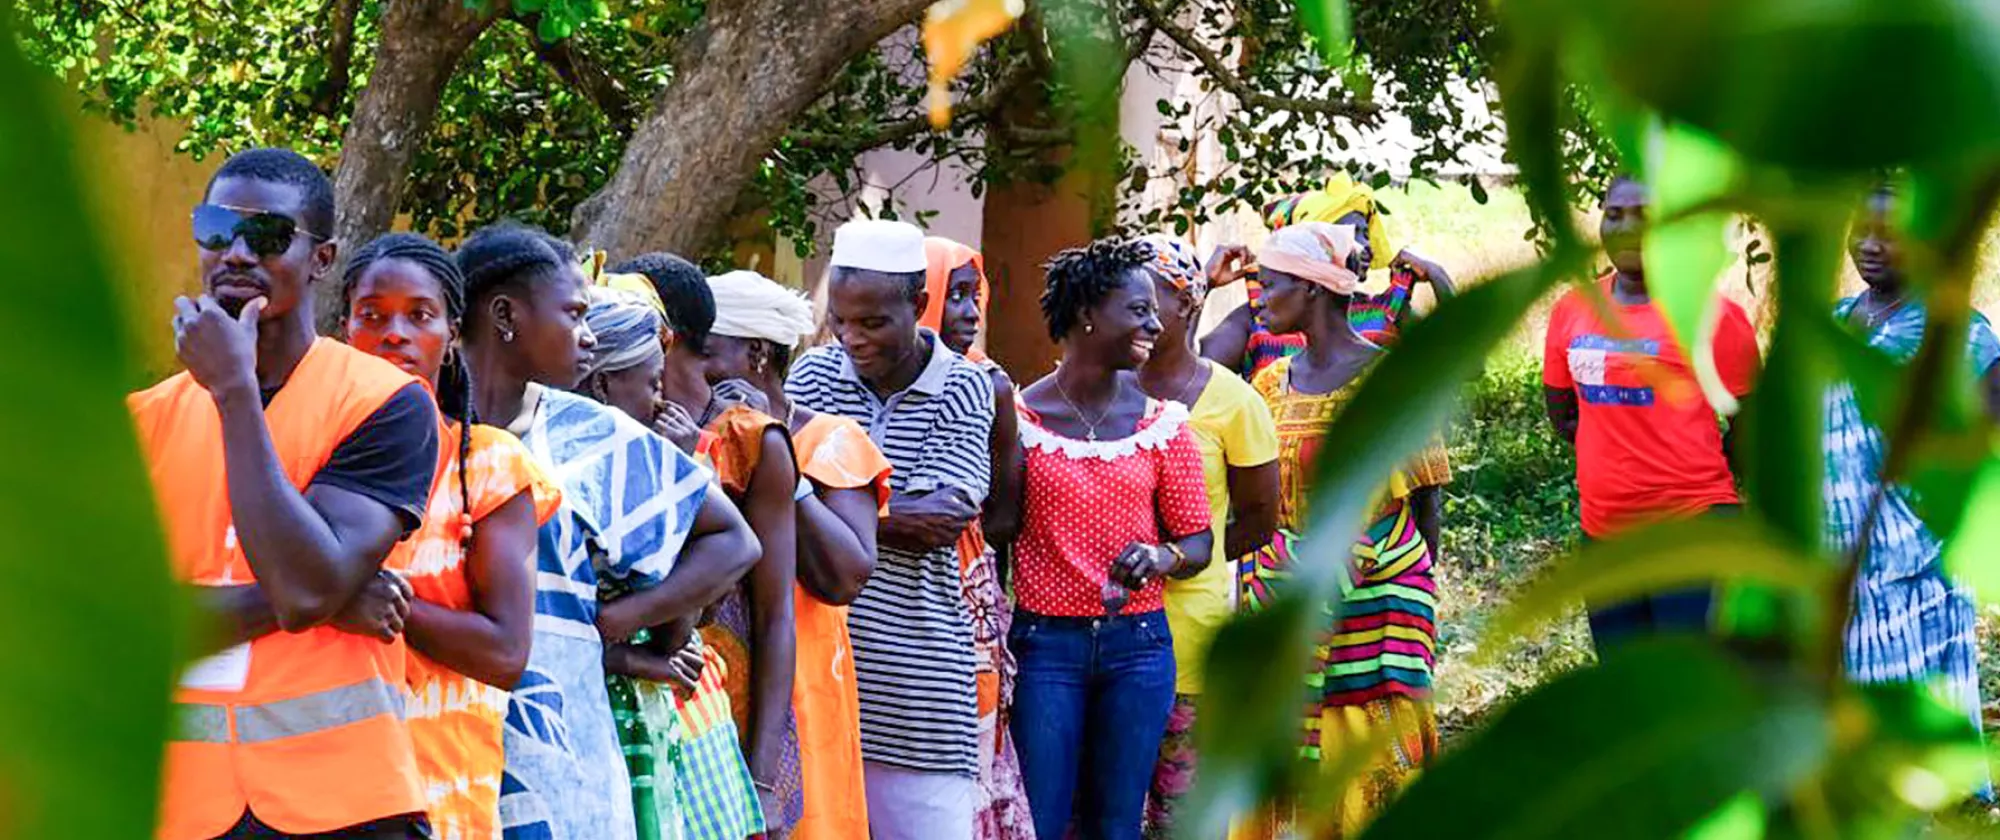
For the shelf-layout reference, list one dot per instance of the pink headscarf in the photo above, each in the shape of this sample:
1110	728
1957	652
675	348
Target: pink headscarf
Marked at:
1312	251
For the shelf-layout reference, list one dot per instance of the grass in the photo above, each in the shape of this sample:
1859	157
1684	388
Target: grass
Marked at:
1511	509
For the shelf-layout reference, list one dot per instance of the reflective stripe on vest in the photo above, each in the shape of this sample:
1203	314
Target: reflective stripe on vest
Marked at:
208	723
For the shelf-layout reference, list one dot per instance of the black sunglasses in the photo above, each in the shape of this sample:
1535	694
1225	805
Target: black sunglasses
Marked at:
216	226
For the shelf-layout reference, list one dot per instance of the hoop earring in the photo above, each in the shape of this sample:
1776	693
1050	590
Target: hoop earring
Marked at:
506	335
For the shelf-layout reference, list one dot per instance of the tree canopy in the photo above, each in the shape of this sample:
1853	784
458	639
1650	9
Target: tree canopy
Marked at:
536	115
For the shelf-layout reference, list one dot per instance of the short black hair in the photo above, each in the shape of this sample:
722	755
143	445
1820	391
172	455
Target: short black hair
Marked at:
505	255
1080	278
284	166
684	292
912	281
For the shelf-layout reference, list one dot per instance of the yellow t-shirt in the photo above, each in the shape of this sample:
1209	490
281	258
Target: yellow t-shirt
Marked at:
1233	427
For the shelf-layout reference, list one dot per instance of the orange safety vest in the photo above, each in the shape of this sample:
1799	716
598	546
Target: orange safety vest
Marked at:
313	740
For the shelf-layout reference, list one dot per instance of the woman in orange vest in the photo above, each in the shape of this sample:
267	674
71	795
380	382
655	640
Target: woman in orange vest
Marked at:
286	468
757	324
472	565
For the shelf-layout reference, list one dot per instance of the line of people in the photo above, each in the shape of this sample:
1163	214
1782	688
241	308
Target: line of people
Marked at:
554	547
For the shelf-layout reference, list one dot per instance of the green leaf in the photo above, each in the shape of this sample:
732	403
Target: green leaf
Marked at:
87	613
1778	79
1741	819
1903	753
1685	254
1331	27
1247	759
1658	558
1782	429
1530	97
553	28
1644	746
1973	555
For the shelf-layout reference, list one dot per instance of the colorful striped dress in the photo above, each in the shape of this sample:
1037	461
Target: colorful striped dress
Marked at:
1373	666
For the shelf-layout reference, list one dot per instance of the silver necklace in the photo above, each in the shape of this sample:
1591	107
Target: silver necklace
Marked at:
1089	426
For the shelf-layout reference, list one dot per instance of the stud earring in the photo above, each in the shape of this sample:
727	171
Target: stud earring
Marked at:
506	335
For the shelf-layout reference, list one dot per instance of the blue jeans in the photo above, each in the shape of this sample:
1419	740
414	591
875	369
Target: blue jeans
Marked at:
1090	707
1672	613
1680	612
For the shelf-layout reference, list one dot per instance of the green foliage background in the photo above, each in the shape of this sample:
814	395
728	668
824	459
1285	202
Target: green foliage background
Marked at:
513	140
1726	108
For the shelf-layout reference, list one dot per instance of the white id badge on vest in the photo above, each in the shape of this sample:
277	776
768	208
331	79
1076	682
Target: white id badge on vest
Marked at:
225	671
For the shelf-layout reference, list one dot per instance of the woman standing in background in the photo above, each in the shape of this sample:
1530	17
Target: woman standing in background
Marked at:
955	278
845	488
1239	452
1113	504
1373	670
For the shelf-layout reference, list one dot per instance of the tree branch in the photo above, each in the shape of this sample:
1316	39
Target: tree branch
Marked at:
340	19
585	75
897	131
1227	79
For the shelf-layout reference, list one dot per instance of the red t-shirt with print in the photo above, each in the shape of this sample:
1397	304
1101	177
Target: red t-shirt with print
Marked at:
1648	447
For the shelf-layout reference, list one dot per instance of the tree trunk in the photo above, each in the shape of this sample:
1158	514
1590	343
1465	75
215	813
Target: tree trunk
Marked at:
752	68
417	50
1055	205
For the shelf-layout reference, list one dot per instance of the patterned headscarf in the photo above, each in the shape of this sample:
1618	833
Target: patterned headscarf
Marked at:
1313	251
634	284
627	329
1175	262
1340	197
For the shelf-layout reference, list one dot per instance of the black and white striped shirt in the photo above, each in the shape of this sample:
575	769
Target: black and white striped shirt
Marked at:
913	654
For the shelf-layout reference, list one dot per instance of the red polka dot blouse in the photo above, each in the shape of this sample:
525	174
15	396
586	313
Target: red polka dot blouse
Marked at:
1085	501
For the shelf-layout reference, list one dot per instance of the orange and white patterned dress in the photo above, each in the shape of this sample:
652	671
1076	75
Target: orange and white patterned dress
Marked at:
455	720
835	454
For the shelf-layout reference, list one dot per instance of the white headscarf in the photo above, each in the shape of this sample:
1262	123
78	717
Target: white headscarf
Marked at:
750	305
1316	252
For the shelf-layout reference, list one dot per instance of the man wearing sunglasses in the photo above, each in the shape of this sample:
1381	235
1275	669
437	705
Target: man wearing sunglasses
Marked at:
287	468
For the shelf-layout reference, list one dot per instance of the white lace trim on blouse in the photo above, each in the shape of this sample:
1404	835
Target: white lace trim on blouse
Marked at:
1155	435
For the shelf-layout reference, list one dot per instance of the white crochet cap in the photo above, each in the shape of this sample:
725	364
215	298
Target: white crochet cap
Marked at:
879	245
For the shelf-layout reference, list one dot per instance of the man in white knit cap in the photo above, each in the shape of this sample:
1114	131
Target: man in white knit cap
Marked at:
931	413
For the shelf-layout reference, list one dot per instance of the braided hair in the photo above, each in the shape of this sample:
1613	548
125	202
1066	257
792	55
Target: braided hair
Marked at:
454	389
1080	278
683	289
506	257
